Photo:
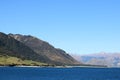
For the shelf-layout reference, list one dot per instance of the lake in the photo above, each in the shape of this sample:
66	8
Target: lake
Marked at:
31	73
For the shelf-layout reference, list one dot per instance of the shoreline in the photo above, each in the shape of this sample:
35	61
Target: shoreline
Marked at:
60	66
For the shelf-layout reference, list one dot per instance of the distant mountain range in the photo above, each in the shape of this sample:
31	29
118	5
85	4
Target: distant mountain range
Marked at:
108	59
27	47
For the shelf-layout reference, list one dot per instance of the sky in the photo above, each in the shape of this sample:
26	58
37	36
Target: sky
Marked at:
76	26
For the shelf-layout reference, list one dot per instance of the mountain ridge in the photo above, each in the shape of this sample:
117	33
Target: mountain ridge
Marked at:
44	48
10	46
32	48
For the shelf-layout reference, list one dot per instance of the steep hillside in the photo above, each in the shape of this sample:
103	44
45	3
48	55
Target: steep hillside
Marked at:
43	48
11	47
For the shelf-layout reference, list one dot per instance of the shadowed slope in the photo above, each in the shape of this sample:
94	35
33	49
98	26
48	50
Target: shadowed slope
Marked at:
43	48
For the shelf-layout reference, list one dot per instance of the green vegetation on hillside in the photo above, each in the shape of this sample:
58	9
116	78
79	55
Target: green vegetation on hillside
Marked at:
14	61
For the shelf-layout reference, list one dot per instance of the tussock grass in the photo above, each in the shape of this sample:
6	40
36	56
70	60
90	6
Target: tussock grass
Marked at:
9	60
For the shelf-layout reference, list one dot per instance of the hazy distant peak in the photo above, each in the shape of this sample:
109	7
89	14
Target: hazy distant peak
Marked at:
102	58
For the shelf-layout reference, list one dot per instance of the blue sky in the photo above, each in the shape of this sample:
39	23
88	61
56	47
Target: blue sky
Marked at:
77	26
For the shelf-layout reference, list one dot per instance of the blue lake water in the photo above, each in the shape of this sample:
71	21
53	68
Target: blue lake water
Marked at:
23	73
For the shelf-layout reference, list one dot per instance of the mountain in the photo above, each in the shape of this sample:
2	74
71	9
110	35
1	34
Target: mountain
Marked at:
32	48
108	59
42	48
11	47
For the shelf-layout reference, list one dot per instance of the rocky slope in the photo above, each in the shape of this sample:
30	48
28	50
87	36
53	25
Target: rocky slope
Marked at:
32	48
44	49
11	47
